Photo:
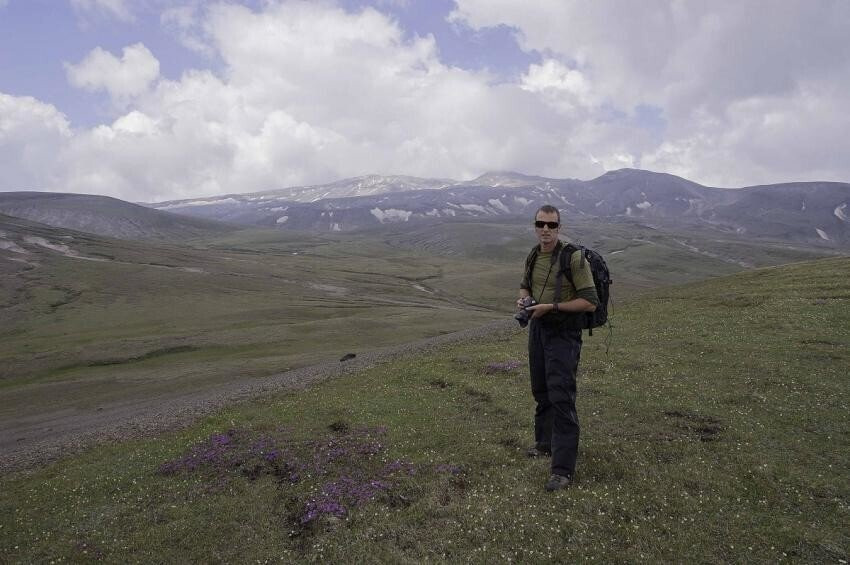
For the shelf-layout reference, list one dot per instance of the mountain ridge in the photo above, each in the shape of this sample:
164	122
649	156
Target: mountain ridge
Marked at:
810	212
105	215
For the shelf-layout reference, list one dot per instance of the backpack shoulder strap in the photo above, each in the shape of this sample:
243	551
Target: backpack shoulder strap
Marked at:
565	269
529	264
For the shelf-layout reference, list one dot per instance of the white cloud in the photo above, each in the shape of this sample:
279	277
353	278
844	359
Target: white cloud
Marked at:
311	93
738	83
185	22
31	135
118	9
563	87
123	78
764	139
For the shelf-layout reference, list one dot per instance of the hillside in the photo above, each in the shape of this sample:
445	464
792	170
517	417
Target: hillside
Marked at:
93	325
100	331
642	255
106	216
714	430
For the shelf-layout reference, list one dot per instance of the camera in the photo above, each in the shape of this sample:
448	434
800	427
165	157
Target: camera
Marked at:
523	315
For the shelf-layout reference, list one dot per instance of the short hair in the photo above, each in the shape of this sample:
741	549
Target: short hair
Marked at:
549	209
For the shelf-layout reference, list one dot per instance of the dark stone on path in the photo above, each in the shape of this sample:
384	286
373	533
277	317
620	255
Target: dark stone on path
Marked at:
504	367
347	357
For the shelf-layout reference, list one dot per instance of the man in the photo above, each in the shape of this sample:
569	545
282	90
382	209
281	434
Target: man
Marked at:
554	344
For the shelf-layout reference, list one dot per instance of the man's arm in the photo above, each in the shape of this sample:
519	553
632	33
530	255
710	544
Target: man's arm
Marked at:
574	306
586	299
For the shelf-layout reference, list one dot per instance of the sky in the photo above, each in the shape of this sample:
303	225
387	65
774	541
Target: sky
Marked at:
152	100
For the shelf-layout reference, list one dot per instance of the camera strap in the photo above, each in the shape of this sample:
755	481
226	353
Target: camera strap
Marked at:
551	264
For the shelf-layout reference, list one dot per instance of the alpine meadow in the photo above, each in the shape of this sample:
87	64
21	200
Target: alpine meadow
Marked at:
215	420
424	281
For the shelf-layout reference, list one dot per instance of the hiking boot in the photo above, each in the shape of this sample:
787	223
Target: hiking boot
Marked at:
538	452
557	482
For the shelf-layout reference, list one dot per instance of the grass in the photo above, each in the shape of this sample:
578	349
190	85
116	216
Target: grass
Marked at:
714	429
160	318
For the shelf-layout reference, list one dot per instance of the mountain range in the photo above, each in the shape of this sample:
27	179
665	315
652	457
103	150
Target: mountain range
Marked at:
803	212
810	213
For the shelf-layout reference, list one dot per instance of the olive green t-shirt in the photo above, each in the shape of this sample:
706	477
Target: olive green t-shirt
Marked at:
543	279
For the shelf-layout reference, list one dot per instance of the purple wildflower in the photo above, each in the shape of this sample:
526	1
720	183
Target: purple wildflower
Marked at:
220	439
448	468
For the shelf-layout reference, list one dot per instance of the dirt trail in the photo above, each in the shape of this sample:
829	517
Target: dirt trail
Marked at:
41	438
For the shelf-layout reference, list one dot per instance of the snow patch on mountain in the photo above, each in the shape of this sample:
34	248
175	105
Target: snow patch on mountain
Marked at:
391	215
644	205
822	234
496	203
694	204
522	200
474	208
198	203
282	220
11	246
59	248
839	213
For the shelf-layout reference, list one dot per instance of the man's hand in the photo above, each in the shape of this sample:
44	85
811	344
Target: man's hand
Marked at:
523	294
539	310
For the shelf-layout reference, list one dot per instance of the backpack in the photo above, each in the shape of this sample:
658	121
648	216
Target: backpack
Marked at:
601	280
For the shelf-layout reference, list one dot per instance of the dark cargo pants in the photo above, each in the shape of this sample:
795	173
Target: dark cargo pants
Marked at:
553	357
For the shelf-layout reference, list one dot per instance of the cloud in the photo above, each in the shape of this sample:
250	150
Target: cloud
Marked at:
123	78
563	87
185	23
730	78
32	133
118	9
768	139
311	93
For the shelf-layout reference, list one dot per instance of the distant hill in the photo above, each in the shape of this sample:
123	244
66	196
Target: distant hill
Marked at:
815	213
106	216
368	185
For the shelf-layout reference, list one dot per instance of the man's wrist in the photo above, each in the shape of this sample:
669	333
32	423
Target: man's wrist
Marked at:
555	307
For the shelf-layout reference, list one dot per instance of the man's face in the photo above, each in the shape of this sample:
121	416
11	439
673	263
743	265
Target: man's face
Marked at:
546	235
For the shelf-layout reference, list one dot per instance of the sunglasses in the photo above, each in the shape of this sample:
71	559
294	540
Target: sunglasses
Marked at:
550	225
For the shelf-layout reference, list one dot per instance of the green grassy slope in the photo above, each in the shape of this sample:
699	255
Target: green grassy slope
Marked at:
150	318
715	429
640	256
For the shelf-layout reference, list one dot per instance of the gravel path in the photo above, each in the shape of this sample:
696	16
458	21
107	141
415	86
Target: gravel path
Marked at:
74	430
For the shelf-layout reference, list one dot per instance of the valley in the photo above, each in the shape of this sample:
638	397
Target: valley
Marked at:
100	332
